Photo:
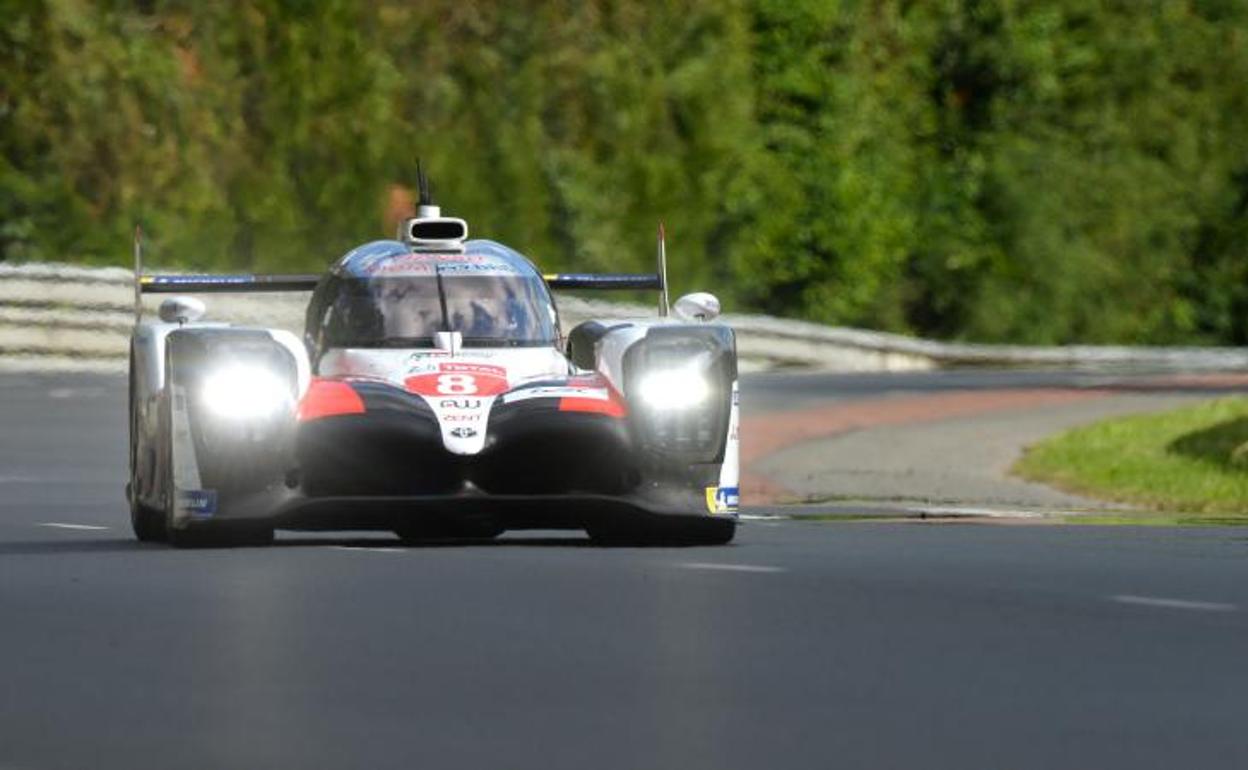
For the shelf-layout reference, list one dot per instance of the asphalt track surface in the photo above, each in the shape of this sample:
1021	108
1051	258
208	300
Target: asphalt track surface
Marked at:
801	645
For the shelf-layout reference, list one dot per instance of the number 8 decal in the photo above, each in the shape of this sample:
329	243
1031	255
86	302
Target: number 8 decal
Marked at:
457	384
453	380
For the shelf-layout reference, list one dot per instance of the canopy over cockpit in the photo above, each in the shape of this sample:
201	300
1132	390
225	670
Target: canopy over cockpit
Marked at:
384	294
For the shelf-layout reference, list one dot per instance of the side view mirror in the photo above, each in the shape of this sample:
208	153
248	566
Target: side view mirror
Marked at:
699	306
182	310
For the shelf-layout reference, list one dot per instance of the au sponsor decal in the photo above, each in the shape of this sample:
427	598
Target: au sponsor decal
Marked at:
460	403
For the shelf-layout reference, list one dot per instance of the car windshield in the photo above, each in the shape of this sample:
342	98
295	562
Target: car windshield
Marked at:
406	311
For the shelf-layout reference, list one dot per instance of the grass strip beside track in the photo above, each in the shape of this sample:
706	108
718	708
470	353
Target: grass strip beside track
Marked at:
1192	460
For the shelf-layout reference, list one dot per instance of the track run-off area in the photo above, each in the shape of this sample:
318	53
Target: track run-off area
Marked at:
887	642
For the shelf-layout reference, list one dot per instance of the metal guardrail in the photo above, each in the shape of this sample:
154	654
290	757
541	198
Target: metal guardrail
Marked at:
72	317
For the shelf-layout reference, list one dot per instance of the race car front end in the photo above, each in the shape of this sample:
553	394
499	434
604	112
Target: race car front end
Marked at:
554	452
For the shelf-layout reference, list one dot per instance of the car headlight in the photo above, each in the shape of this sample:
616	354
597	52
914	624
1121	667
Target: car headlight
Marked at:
246	392
674	389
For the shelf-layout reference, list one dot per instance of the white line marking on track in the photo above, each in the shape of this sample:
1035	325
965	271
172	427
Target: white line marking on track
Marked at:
366	548
759	568
63	393
21	480
61	525
1173	604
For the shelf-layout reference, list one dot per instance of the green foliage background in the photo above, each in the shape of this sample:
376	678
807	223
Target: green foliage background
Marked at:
998	170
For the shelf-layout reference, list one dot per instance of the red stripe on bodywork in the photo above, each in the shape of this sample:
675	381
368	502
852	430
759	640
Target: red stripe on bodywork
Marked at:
326	398
610	406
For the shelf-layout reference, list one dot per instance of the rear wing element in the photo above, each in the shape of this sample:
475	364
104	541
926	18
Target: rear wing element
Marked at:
234	284
606	281
609	281
199	284
247	283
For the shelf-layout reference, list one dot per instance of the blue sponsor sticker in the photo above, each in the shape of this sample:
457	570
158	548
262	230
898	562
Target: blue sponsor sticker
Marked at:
199	503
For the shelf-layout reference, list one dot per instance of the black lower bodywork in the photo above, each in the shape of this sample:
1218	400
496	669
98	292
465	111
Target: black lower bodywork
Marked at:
541	468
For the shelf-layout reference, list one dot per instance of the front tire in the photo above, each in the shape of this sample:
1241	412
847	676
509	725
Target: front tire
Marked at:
188	538
192	535
148	523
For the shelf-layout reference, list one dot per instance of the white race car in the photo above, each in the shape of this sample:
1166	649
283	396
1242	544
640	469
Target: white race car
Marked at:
433	395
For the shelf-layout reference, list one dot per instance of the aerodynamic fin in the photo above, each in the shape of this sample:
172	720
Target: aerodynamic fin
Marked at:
664	307
138	273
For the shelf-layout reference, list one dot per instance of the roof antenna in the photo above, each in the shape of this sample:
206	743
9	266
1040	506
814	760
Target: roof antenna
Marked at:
426	207
429	230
